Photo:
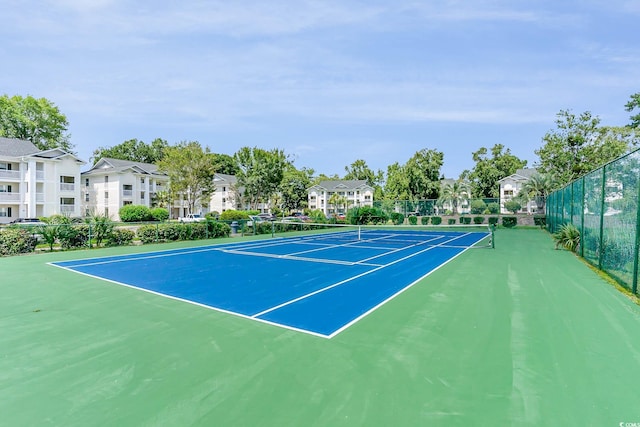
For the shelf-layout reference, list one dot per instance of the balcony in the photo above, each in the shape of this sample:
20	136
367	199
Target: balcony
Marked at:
67	187
9	197
39	175
127	193
67	209
39	197
5	174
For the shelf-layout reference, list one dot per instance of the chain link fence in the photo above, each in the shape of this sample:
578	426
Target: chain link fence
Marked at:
603	206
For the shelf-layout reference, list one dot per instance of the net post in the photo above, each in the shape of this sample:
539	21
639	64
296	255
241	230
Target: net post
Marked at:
493	233
359	232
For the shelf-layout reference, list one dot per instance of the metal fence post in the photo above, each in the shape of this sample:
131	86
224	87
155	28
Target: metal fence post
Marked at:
603	189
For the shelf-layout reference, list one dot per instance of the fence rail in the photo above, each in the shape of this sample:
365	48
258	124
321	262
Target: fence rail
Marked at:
603	205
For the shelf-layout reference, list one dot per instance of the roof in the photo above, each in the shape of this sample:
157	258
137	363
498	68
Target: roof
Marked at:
335	185
12	147
224	177
521	175
107	164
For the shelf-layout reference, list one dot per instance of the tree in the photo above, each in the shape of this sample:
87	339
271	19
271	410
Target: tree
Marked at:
454	194
260	172
134	151
336	200
632	105
293	188
537	188
423	174
488	171
36	120
190	173
224	163
579	145
512	206
397	185
359	170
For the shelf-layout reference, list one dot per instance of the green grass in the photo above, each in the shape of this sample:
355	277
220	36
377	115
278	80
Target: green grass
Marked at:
522	335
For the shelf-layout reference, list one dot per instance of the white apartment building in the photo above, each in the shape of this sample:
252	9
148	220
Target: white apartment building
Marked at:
227	195
113	183
36	183
510	187
351	193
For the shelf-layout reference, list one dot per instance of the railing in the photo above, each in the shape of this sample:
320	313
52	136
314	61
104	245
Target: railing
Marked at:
9	197
40	175
9	174
127	193
69	209
39	197
67	187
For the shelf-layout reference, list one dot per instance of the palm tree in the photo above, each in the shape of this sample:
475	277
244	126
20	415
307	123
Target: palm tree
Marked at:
454	194
337	200
537	188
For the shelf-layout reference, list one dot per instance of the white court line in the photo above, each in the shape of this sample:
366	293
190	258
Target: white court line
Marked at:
286	303
297	258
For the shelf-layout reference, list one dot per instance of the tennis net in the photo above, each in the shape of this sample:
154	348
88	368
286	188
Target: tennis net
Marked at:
463	235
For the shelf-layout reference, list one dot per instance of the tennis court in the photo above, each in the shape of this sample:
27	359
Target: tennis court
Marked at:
319	283
519	335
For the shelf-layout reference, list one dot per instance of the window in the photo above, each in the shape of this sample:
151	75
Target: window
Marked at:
367	197
106	194
141	180
224	188
67	201
127	202
106	179
5	188
142	195
106	211
86	197
508	193
5	212
86	182
67	180
224	199
5	166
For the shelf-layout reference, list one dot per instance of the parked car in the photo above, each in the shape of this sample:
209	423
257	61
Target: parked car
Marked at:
192	218
254	219
267	216
27	221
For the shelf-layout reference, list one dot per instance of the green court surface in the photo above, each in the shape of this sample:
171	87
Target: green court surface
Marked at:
522	335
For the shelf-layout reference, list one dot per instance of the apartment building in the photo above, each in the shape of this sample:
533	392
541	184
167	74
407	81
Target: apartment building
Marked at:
337	196
113	183
36	183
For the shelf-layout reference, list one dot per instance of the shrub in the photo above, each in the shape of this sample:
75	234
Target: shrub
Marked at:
397	218
568	237
73	236
148	233
451	221
424	220
193	231
493	220
134	213
220	229
493	208
465	220
509	221
233	215
512	206
540	220
15	241
413	220
120	237
159	214
478	206
478	219
212	216
170	232
366	215
436	220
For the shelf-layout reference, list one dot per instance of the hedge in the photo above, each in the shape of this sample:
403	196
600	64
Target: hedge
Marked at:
509	221
15	241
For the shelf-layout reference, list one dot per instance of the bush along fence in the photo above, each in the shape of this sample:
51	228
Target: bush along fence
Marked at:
603	206
25	239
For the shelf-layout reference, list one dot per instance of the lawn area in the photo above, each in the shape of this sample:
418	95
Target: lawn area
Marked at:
521	335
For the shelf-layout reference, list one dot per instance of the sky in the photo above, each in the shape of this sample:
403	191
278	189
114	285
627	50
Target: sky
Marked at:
329	82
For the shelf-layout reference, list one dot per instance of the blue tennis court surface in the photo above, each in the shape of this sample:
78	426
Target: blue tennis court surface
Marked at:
318	284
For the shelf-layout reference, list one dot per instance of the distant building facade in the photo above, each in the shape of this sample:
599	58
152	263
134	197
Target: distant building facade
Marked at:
510	187
337	196
36	183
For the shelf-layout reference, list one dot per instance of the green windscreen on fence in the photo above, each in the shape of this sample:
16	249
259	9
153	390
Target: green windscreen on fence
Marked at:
603	205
